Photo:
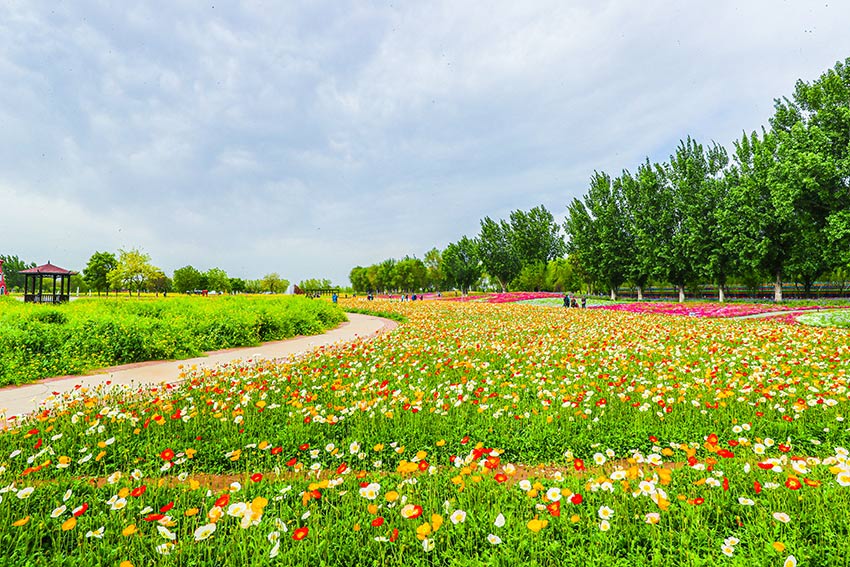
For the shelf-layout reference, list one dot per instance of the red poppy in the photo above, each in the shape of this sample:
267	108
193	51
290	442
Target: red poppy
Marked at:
37	444
300	533
793	483
81	510
167	507
423	466
712	439
697	501
554	508
304	447
725	453
378	522
166	455
154	517
653	439
576	499
501	478
784	448
291	462
811	482
138	491
277	450
257	477
223	500
394	535
725	483
341	468
465	440
757	487
765	466
578	464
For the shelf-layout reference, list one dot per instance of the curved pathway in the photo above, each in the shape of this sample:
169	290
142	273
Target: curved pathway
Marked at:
20	400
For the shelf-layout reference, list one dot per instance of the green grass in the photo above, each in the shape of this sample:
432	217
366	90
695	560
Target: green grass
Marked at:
828	319
39	341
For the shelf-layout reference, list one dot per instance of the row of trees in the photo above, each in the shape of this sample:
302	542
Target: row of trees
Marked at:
132	270
524	251
777	209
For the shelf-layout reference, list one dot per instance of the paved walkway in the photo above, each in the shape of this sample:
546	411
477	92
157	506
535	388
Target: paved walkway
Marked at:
21	400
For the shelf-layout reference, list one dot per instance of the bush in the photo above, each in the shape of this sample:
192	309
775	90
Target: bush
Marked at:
38	342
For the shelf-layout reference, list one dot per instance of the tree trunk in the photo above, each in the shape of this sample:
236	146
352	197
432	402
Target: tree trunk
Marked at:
681	289
777	288
640	293
613	294
721	295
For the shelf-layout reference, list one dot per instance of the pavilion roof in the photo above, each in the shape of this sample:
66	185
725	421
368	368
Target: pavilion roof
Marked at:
48	269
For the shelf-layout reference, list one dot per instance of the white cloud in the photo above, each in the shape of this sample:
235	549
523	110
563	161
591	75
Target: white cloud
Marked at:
311	138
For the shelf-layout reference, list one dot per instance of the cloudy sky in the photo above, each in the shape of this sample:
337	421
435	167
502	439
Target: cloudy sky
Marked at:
307	138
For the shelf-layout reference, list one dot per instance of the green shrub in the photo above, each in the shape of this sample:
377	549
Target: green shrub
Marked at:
38	342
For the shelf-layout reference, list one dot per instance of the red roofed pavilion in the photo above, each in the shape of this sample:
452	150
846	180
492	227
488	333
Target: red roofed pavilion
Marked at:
37	292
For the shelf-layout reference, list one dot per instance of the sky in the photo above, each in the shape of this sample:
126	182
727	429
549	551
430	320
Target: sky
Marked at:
306	138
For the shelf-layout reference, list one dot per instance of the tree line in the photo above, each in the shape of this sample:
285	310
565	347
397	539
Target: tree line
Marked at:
132	271
524	251
777	209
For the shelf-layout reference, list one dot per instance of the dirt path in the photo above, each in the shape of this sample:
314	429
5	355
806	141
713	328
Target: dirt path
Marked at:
21	400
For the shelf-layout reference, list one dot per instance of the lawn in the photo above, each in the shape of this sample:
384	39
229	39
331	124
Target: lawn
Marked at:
474	434
40	341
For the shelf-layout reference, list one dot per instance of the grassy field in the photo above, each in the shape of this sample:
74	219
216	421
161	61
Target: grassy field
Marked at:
39	341
475	434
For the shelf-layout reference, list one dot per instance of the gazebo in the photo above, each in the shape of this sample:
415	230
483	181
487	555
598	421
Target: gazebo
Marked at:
36	292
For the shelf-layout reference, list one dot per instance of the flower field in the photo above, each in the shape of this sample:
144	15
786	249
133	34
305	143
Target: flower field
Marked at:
714	310
475	433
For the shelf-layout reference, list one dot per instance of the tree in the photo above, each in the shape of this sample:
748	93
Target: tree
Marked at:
96	271
536	237
434	264
562	276
766	227
409	274
159	282
253	286
496	251
359	278
237	285
217	280
385	275
273	283
532	277
132	272
186	279
598	236
12	266
314	284
694	193
647	223
462	264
